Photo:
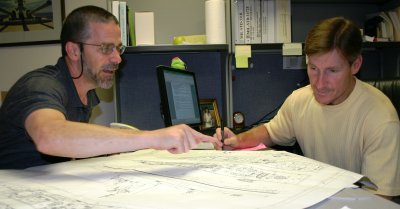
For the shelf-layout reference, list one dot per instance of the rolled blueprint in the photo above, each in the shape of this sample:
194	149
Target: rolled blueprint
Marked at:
215	21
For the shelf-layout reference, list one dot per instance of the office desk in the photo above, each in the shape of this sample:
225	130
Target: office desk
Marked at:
351	198
198	179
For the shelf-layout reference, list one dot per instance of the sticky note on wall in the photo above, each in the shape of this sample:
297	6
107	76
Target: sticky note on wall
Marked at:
292	49
242	55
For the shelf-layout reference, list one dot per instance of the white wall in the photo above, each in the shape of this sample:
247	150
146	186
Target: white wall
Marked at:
171	20
173	17
16	61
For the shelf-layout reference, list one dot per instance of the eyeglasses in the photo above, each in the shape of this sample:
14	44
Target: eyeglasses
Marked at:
107	49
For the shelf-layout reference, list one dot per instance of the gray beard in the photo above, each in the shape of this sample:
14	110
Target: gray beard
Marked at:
104	83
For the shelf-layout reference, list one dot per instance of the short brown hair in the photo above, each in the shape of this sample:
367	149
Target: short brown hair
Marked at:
76	25
335	33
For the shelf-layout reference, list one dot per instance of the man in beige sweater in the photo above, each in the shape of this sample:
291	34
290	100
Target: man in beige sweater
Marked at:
337	119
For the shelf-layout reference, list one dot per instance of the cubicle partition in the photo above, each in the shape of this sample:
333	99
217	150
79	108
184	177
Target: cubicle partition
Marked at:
258	91
137	94
263	87
380	61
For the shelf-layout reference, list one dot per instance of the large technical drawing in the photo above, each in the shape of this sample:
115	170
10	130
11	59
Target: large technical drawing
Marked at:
158	179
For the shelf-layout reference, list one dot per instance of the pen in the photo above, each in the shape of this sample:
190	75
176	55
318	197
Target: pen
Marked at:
222	134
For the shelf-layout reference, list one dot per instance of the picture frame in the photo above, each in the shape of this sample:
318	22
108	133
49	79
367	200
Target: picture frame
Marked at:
210	114
41	24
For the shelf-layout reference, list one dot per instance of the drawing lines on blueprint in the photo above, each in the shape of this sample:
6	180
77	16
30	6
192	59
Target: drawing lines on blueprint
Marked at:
122	184
19	196
256	175
155	179
271	169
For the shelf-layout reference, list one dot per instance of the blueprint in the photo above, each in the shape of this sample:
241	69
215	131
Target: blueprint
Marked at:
158	179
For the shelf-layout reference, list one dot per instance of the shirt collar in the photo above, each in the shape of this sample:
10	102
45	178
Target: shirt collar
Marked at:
93	99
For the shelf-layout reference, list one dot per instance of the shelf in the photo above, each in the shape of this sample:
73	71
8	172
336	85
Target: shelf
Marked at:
177	48
272	47
343	1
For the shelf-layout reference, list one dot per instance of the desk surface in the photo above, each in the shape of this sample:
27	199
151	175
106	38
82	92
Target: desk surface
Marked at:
351	198
198	179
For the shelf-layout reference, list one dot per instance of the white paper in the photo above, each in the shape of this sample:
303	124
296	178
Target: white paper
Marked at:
215	21
144	28
158	179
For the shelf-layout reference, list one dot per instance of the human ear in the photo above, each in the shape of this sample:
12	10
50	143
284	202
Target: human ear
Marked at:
356	65
73	50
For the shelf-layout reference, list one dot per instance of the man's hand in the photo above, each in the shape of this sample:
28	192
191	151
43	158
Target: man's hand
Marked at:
250	138
179	139
230	139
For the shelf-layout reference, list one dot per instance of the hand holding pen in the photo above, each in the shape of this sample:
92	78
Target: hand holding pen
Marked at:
227	138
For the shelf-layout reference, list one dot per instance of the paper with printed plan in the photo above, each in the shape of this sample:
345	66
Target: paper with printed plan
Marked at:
158	179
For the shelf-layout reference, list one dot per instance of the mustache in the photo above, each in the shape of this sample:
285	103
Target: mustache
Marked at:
111	66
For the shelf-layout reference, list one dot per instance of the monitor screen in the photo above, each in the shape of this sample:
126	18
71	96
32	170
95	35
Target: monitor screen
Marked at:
179	97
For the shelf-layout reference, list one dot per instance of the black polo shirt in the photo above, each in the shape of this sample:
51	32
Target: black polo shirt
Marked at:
47	87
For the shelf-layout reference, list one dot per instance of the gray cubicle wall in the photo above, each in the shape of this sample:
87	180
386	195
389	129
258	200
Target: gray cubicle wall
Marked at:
137	93
380	62
263	87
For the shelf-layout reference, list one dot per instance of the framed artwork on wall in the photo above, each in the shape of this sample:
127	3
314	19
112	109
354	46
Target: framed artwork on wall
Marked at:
209	113
31	22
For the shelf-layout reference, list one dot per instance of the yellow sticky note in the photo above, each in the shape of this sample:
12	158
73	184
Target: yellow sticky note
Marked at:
292	49
242	54
242	62
242	51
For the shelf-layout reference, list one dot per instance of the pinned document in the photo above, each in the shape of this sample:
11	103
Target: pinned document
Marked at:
292	56
292	49
242	55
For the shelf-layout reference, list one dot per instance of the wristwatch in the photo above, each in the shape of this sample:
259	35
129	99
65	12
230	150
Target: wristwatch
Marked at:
238	120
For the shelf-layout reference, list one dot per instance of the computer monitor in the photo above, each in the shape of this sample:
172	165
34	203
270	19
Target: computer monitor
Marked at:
179	97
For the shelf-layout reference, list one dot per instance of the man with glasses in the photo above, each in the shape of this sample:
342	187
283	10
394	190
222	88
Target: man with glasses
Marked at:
44	118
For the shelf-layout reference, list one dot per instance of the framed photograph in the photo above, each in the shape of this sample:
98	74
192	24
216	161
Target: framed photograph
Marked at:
31	22
209	113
